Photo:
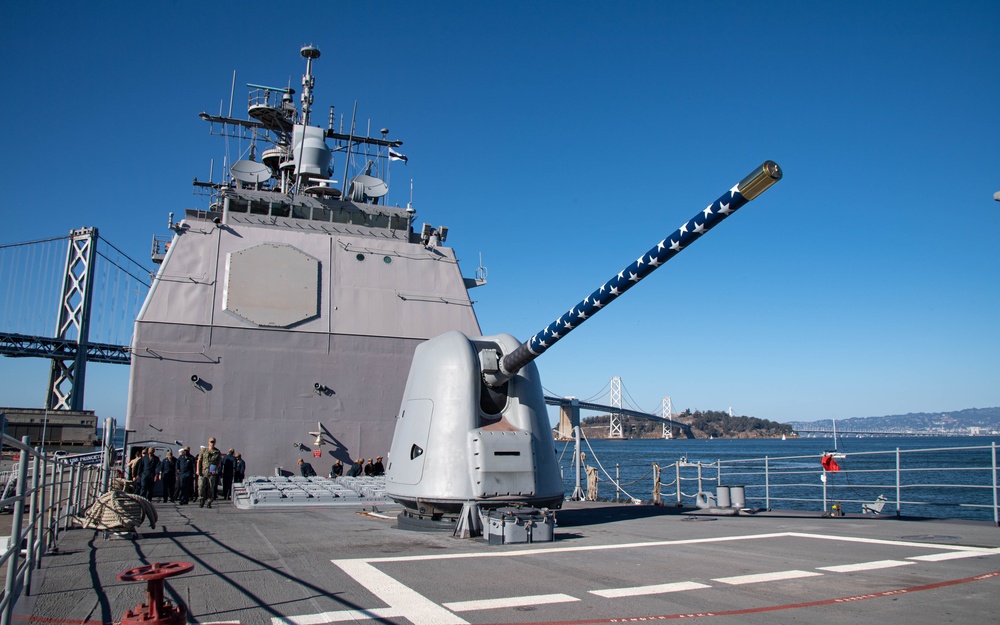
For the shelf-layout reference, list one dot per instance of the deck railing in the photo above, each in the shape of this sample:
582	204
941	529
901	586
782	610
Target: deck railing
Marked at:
44	494
946	482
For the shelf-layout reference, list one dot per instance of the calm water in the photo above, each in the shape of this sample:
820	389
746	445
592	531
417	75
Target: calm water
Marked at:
939	484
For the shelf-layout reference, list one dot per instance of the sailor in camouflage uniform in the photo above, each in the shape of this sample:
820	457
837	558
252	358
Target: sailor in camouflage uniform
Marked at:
208	469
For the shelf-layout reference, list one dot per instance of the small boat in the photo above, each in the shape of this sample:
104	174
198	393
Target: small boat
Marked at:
835	453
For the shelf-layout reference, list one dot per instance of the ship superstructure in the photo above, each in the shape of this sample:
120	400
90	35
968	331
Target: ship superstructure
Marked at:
296	297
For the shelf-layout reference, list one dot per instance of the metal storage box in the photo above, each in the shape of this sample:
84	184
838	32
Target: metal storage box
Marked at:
520	525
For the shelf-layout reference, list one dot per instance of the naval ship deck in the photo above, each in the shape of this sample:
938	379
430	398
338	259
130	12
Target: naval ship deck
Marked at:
608	563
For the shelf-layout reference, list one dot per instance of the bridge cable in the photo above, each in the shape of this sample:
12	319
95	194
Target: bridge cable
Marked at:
6	245
125	271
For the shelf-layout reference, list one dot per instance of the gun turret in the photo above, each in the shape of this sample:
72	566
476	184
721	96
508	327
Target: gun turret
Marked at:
473	430
749	188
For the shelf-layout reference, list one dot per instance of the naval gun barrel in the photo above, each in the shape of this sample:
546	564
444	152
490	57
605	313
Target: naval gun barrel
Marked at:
749	188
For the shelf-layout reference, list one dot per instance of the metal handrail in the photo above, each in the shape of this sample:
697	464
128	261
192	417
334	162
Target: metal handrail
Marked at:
765	480
52	491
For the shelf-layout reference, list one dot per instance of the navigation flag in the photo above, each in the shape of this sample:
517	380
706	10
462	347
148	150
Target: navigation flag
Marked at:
396	156
829	464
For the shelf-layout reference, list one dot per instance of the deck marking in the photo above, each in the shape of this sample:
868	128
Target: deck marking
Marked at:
551	550
337	616
672	543
865	566
407	603
790	606
756	578
507	602
894	543
953	555
411	605
656	589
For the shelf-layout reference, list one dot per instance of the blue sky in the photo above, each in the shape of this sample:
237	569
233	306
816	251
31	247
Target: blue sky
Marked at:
561	140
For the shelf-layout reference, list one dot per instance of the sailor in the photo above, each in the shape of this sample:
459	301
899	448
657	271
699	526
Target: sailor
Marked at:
240	470
378	468
306	469
207	470
168	476
133	467
147	469
185	475
337	469
228	471
370	468
356	468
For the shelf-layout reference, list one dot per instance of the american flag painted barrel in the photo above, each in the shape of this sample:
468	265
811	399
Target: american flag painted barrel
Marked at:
749	188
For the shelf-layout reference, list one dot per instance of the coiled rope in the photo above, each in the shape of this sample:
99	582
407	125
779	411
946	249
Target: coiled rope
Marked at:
119	512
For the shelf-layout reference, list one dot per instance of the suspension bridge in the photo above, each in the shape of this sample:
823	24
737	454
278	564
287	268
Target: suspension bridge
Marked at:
98	290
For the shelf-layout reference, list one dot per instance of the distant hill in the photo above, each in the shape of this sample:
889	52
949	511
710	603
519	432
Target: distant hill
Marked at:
704	424
955	422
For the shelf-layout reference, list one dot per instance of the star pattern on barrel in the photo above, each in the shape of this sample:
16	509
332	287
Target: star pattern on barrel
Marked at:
668	247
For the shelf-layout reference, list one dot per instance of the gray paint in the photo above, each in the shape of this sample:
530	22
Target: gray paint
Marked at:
451	448
256	390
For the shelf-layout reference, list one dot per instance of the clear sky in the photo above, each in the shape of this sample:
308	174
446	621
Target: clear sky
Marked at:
560	140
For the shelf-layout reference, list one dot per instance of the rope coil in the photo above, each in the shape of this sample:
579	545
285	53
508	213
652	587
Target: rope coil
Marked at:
119	512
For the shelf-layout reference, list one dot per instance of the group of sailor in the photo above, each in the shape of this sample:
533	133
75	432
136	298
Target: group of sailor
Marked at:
180	476
374	467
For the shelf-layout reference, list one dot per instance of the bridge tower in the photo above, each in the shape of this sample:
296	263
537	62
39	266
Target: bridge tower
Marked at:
666	412
569	419
616	402
74	319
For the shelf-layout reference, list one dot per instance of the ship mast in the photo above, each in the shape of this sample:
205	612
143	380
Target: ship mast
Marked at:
309	53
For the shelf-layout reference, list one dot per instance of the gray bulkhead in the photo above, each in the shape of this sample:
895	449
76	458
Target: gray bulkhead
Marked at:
247	317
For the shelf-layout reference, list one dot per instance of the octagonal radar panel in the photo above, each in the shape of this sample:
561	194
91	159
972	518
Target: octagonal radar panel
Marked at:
272	285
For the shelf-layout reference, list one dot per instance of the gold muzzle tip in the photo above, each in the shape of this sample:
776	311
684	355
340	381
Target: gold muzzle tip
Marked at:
759	180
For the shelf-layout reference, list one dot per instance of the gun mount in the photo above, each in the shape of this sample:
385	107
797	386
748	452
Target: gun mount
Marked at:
473	429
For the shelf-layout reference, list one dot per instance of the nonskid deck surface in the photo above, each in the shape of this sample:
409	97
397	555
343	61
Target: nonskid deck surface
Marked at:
609	563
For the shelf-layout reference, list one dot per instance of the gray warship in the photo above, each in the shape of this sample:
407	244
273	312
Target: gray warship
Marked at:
285	313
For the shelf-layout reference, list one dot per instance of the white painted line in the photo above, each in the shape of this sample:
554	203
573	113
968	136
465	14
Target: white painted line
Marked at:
656	589
894	543
765	577
544	551
864	566
507	602
338	616
952	555
406	603
409	603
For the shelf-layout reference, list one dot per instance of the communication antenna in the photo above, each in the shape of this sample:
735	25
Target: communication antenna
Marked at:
232	92
481	271
309	53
